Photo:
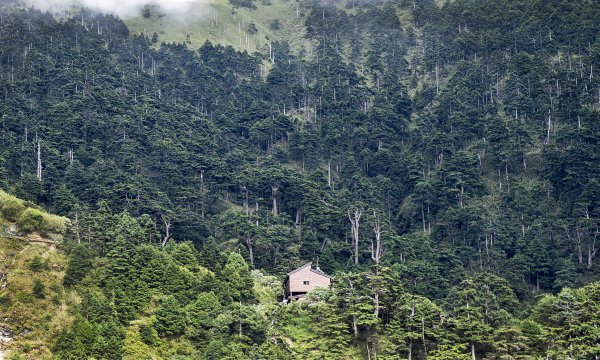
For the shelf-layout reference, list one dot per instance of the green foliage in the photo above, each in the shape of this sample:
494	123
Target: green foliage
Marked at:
149	335
243	3
39	289
12	209
465	133
170	318
29	218
202	314
36	264
236	279
80	262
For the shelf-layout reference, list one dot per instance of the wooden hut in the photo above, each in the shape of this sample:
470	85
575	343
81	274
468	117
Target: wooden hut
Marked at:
300	281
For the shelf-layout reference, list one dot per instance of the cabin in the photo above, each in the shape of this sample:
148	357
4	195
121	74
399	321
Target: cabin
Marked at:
302	280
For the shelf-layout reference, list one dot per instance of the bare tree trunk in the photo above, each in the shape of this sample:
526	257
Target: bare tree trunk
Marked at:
410	344
355	221
77	227
256	211
354	324
437	78
39	161
249	243
423	217
548	130
246	205
167	224
298	216
376	303
579	248
592	250
423	335
377	248
274	190
202	192
240	322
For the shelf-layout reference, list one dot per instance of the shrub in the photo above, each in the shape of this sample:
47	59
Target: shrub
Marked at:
275	25
5	301
39	290
252	29
29	216
79	264
55	224
32	220
23	297
12	209
149	335
36	264
243	3
170	319
37	220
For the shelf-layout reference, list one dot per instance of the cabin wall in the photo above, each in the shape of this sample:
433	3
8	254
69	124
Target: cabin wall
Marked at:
297	279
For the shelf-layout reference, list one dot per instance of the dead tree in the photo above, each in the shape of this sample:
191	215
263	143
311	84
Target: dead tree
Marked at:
249	244
377	247
298	217
39	161
246	205
202	192
167	224
354	322
437	78
274	191
355	221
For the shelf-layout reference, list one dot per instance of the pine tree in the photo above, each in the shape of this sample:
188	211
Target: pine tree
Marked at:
170	318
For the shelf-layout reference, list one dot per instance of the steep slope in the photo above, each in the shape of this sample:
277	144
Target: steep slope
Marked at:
245	29
441	158
33	302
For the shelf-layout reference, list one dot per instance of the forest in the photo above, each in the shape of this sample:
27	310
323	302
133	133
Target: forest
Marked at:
440	159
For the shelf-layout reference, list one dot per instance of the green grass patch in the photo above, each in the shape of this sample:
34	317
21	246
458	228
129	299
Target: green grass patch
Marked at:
33	303
218	22
29	217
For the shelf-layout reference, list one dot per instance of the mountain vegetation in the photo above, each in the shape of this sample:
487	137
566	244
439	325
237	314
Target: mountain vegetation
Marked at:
439	159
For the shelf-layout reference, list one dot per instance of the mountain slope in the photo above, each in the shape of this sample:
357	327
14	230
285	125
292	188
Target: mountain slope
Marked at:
441	159
220	23
33	302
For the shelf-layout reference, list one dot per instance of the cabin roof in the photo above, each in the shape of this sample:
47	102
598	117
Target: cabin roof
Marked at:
316	271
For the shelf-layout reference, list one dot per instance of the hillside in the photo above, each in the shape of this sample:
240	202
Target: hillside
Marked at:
219	22
33	302
439	159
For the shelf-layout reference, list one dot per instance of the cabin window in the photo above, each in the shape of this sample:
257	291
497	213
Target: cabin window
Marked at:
306	282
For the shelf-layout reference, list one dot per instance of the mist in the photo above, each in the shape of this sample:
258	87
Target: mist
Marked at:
122	8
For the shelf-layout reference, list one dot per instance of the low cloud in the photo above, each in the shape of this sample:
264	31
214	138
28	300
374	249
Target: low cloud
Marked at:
123	8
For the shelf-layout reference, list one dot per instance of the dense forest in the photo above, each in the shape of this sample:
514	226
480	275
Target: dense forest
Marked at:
440	159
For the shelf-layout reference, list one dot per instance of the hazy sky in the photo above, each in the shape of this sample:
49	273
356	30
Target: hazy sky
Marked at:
123	8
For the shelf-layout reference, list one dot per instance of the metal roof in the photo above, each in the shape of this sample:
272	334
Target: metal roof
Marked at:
300	268
316	271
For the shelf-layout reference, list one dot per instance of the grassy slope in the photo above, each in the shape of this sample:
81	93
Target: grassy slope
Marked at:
33	322
229	28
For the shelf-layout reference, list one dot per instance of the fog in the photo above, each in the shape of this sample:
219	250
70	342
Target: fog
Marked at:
122	8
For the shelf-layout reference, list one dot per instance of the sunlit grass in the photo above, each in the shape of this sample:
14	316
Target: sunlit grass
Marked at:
219	23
